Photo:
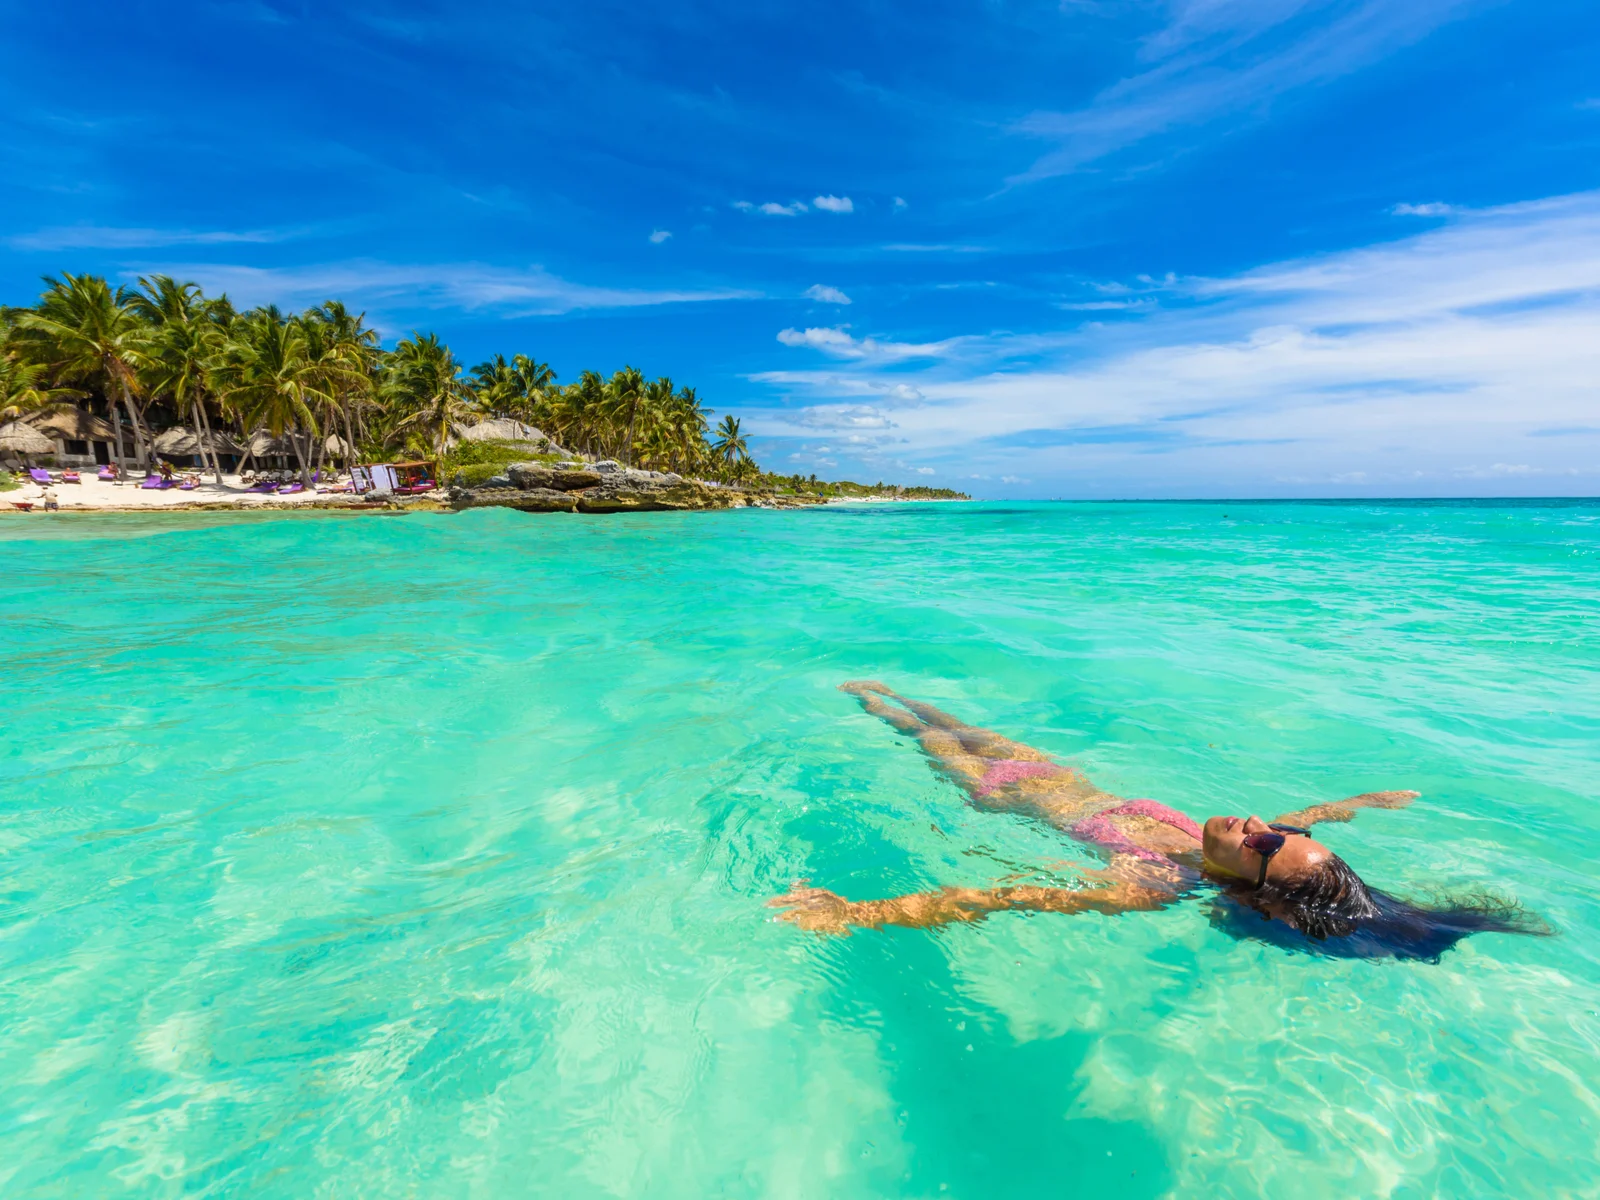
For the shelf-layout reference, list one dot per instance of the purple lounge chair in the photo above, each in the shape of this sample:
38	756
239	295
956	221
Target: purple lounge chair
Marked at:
41	476
187	486
107	475
154	483
290	489
264	486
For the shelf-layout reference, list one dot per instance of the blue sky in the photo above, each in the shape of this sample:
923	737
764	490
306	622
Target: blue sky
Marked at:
1079	249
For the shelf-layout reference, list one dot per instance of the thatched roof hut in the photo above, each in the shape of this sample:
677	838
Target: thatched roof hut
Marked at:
21	438
182	441
73	425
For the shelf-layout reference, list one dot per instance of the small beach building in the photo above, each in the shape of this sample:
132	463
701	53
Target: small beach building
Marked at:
80	438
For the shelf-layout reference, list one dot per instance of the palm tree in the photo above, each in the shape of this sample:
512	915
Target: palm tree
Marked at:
625	390
347	355
730	444
184	342
267	374
20	390
354	348
498	386
83	332
538	382
424	384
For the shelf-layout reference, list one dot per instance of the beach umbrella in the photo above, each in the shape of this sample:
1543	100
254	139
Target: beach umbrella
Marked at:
20	438
182	441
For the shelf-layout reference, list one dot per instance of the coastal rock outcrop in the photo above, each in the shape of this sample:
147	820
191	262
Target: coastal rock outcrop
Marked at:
603	487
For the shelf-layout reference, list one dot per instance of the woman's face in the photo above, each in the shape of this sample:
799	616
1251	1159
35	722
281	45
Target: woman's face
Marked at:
1222	842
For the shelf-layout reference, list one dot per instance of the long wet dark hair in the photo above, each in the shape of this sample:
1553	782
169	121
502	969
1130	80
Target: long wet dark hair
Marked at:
1332	911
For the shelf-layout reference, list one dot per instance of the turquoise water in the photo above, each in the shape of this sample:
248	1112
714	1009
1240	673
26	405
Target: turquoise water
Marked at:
426	855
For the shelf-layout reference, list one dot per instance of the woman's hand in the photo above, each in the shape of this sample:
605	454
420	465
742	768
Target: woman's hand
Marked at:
816	909
1345	810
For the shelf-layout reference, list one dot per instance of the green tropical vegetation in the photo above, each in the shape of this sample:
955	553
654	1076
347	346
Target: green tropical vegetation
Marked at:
162	354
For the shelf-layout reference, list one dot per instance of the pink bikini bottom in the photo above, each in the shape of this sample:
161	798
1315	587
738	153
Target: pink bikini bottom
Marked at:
1098	828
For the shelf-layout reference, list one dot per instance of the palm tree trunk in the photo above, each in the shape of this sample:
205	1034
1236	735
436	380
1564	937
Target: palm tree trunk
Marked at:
138	429
294	440
349	435
211	441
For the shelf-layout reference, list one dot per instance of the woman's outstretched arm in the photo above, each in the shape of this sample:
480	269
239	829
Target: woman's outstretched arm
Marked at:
1345	810
822	911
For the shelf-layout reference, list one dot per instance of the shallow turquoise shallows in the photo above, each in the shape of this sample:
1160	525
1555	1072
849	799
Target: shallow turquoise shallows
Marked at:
426	856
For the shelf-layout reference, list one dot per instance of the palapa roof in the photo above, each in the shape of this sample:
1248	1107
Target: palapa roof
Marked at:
264	445
184	441
73	425
21	438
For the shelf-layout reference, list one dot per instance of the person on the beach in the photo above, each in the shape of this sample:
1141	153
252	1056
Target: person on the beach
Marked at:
1271	879
51	504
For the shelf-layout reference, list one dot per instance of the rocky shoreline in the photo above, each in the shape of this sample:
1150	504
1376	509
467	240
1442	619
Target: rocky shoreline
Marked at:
607	487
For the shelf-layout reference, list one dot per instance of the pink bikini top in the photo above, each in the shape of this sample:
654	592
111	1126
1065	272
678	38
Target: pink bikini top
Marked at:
1098	828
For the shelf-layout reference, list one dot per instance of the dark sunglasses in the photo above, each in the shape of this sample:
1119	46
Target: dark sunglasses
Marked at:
1268	844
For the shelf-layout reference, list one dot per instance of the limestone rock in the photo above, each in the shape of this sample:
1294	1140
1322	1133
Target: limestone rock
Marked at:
537	475
525	499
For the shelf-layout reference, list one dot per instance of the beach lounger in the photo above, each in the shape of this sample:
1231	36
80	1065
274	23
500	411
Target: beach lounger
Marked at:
186	486
106	475
71	477
41	476
263	487
290	489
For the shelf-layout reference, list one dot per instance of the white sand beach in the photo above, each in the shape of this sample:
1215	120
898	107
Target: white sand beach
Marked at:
98	495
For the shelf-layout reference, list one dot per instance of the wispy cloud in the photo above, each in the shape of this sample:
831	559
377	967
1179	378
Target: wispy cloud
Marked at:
833	204
113	237
1215	59
839	342
772	208
530	291
1434	209
658	236
826	295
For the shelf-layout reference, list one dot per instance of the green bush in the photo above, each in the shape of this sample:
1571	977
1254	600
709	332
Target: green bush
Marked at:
7	482
475	474
478	462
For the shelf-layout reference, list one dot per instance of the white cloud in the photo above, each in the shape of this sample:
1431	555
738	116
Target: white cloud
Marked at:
841	417
826	295
659	235
924	470
838	341
834	204
1393	368
899	204
771	208
1434	209
424	285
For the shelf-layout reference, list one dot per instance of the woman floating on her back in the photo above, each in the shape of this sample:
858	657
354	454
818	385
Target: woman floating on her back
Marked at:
1274	880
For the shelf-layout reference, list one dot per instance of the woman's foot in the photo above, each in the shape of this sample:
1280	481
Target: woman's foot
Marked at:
858	687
